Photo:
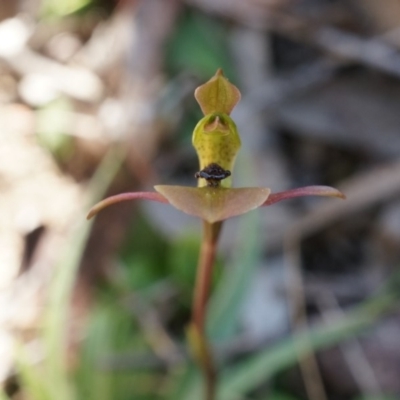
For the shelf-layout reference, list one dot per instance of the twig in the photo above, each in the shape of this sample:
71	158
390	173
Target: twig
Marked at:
374	53
267	97
352	350
308	365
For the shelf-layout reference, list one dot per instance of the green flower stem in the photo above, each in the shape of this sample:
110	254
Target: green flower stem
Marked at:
196	333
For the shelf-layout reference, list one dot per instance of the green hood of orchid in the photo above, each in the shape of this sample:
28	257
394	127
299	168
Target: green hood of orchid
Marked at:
215	137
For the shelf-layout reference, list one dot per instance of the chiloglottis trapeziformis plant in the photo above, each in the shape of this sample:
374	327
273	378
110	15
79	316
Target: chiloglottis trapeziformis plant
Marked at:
217	142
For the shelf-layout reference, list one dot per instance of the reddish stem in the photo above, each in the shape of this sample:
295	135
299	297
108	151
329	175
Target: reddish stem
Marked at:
200	300
204	273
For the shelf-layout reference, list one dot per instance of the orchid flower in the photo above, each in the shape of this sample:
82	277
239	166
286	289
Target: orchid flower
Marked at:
217	141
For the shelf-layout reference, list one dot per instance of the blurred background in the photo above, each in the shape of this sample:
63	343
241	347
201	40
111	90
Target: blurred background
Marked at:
96	98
